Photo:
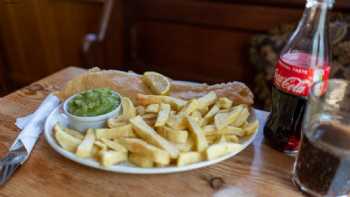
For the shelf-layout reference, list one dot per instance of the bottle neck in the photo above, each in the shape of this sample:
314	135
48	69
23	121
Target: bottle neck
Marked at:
316	18
311	35
328	3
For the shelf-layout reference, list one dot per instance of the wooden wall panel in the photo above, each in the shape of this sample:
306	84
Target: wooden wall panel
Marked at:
191	53
3	76
203	40
109	51
197	40
22	37
72	20
43	36
340	5
214	13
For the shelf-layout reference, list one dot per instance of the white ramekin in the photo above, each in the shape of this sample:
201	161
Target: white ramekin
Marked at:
81	123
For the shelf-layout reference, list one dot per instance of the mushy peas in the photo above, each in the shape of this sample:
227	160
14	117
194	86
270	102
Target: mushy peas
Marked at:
94	102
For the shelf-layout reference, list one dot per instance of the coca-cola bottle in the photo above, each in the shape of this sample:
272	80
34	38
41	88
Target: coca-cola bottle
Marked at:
304	60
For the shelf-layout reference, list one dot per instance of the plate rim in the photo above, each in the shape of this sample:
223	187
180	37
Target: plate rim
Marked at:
134	169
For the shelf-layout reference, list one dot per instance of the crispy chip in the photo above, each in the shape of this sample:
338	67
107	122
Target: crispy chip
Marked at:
117	132
148	134
109	158
217	150
155	99
86	146
141	160
222	120
163	115
188	158
207	100
198	135
152	108
138	146
224	103
65	140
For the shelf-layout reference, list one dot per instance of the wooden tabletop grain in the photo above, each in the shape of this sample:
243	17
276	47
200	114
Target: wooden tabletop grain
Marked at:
257	171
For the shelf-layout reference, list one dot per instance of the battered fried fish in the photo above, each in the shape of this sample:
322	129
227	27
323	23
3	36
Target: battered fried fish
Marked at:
130	84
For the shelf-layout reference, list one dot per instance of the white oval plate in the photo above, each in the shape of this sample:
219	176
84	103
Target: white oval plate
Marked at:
58	116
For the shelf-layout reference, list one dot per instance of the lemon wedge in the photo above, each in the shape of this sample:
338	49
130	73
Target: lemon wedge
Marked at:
158	83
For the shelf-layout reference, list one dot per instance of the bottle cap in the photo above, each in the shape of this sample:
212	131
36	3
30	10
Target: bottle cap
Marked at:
311	3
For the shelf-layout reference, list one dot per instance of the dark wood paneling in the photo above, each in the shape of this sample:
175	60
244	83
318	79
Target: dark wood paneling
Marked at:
204	40
214	14
71	21
191	53
4	83
113	45
23	44
43	36
340	5
197	40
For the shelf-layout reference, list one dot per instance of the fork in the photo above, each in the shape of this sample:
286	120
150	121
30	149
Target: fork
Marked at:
11	162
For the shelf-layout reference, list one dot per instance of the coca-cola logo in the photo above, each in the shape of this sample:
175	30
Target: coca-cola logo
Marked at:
297	79
293	84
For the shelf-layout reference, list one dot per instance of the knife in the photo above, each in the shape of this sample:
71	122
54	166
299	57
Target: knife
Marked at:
20	150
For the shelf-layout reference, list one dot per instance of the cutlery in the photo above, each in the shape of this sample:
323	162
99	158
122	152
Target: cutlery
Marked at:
12	161
21	148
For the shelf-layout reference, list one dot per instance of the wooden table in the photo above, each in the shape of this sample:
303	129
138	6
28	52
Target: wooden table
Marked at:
257	171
